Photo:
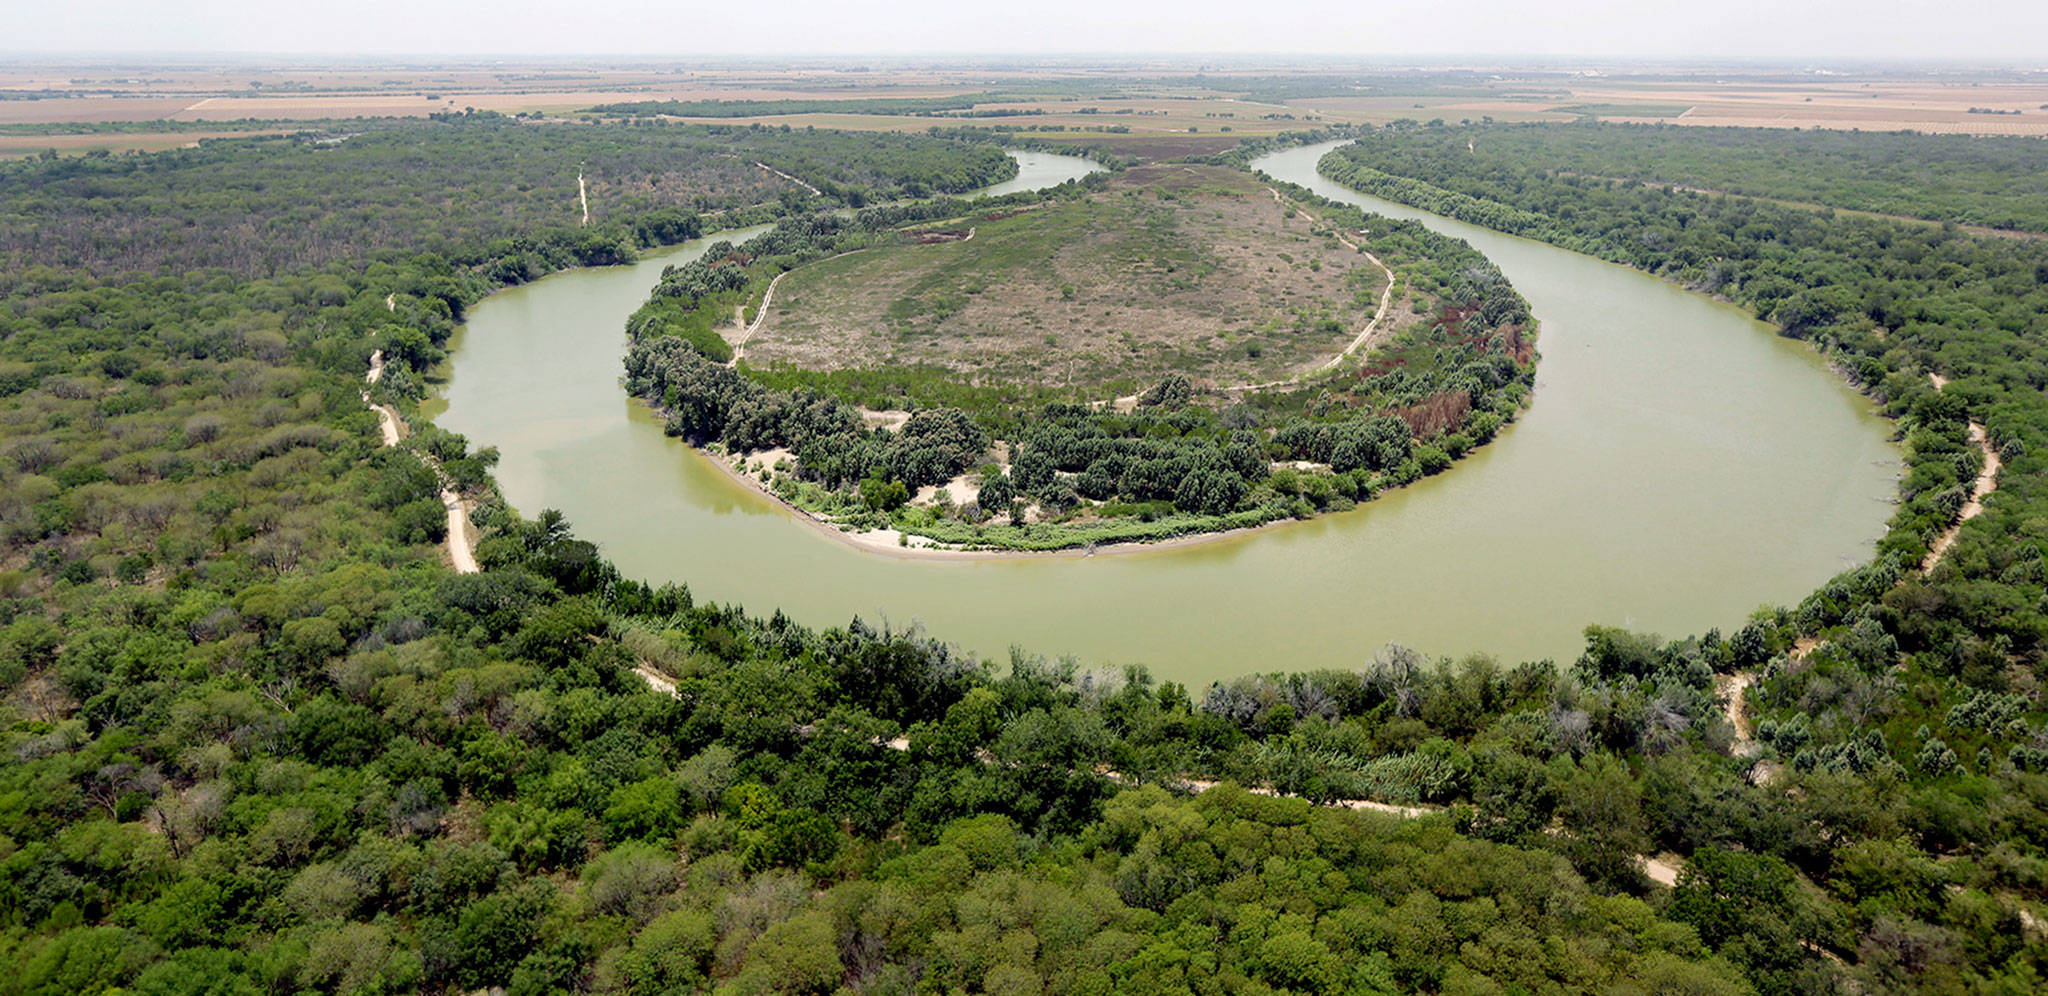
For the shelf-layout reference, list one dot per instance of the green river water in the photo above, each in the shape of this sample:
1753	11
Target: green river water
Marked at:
1681	465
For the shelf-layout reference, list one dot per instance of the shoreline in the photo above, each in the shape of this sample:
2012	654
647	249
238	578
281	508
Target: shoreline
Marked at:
883	541
890	542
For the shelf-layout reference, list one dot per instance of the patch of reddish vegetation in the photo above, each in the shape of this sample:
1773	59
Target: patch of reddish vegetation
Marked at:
738	259
1448	411
1451	317
1437	414
1521	349
1508	339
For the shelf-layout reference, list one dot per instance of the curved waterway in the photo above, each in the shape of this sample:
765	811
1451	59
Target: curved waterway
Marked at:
1681	466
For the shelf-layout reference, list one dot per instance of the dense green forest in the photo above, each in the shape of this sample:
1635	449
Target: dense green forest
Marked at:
1993	180
1082	474
258	738
1919	683
469	187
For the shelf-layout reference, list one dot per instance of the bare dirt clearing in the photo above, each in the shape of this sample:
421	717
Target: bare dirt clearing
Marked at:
1172	269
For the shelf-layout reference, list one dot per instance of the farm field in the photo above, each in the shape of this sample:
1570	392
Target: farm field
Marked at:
1152	109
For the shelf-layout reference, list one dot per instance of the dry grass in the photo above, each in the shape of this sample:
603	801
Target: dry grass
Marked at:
1161	111
1173	269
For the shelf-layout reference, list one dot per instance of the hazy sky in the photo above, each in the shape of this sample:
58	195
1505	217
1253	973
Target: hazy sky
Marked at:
2006	32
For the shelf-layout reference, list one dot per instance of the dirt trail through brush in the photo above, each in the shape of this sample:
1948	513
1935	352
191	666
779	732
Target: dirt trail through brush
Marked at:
1663	869
814	191
1365	336
1987	482
387	419
739	347
1733	687
461	533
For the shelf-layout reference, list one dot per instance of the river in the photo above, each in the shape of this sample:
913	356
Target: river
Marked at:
1681	465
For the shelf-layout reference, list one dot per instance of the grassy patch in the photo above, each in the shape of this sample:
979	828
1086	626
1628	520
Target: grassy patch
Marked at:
1080	297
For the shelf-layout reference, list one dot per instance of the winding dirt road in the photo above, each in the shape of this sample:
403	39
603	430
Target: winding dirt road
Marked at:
461	534
1987	482
739	347
387	419
1365	336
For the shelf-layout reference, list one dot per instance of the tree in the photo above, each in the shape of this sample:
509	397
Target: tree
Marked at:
883	496
495	932
1210	491
646	808
996	492
1602	810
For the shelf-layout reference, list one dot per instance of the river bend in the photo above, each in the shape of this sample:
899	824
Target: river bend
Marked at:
1681	466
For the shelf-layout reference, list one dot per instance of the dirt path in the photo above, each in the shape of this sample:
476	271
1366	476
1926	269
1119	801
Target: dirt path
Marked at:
660	683
1379	315
387	419
1987	482
739	348
814	191
1733	687
1662	869
461	534
583	194
1364	337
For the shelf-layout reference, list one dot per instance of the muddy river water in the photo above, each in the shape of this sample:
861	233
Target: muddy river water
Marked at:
1681	465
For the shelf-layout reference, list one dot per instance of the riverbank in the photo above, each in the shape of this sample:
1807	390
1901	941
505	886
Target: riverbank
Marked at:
1780	478
892	542
1344	428
461	542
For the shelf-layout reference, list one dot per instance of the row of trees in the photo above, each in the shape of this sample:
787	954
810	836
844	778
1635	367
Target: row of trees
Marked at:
1969	179
705	402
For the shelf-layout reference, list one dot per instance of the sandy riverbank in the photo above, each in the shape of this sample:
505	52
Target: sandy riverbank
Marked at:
888	542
